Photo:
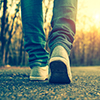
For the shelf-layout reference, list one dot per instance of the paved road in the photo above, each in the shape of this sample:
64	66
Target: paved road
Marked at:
15	85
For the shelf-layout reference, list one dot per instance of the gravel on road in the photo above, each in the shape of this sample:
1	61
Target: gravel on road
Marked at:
15	85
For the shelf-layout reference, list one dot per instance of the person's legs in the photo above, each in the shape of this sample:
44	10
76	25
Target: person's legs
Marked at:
34	37
61	39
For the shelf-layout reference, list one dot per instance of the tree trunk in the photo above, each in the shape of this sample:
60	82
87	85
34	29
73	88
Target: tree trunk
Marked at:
20	52
2	37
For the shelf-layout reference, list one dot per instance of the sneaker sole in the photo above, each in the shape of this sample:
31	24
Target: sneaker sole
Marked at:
59	72
38	78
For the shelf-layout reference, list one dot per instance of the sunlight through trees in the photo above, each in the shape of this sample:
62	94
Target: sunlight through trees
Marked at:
86	46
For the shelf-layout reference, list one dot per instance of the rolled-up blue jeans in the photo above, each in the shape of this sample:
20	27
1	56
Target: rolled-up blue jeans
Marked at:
63	28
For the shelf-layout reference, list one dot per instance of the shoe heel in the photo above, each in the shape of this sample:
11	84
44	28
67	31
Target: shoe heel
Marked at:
58	72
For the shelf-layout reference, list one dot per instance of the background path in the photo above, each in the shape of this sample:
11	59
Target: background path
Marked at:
15	85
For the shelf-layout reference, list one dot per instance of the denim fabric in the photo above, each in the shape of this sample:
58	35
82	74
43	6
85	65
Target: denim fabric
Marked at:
34	37
63	24
63	28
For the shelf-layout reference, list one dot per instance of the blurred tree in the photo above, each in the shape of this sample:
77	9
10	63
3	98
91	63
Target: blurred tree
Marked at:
86	46
48	6
7	30
2	33
12	30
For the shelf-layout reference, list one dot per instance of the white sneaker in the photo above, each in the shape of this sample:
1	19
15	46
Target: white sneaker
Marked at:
39	73
59	66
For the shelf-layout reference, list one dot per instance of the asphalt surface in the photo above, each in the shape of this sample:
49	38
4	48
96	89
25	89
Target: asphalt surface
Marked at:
15	85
